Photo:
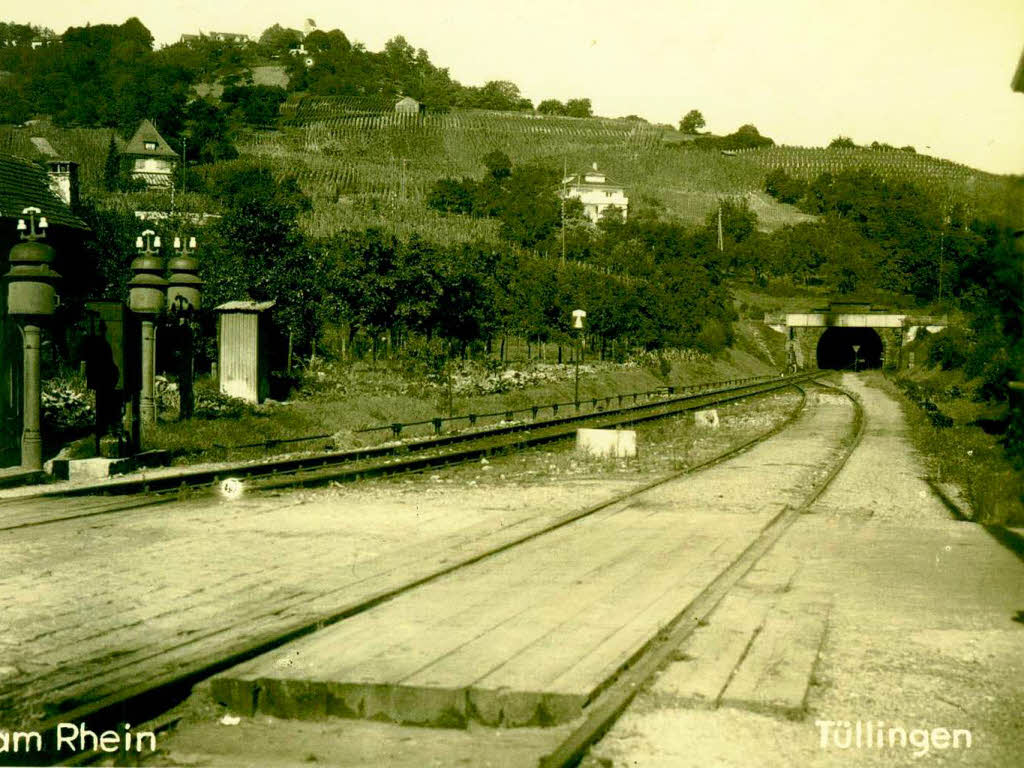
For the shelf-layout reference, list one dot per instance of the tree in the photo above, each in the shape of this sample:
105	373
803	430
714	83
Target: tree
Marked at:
255	104
783	187
745	137
842	142
257	250
578	108
452	196
551	107
210	139
277	39
692	122
112	167
498	165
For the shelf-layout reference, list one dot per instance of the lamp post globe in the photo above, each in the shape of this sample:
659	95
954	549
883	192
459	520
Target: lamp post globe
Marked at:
31	281
146	297
578	316
184	291
32	297
184	286
147	289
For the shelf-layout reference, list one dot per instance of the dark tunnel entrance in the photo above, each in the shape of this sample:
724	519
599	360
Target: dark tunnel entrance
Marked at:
835	348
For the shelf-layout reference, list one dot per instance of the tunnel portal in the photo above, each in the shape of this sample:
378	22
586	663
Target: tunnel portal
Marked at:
835	348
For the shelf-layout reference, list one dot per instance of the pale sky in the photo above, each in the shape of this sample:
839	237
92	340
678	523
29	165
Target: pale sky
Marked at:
931	73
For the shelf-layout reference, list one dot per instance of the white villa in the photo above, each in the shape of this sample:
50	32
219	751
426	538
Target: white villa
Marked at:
596	191
149	156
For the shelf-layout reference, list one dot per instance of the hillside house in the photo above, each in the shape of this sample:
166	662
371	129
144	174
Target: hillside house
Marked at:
407	105
150	158
229	37
596	191
223	37
61	173
299	50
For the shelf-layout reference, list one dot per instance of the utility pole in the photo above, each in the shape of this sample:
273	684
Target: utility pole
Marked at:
721	244
942	233
565	171
404	163
942	256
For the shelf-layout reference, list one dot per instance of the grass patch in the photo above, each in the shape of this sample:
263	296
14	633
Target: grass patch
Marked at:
338	401
664	446
967	457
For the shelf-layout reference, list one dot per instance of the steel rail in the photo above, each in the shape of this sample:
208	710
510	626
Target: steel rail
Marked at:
609	704
152	700
381	460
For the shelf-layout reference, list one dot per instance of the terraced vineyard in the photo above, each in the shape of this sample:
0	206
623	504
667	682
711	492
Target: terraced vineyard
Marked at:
343	153
347	150
364	166
948	180
86	146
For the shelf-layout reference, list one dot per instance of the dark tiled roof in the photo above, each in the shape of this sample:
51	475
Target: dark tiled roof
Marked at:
23	184
148	132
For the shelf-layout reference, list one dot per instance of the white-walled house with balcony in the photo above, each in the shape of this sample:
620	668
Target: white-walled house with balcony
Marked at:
596	191
150	158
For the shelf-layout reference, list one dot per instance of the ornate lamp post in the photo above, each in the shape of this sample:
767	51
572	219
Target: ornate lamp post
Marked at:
31	296
578	316
146	298
183	296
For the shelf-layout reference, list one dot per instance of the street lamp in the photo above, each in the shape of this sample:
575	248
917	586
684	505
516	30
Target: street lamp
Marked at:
32	296
578	316
146	297
183	296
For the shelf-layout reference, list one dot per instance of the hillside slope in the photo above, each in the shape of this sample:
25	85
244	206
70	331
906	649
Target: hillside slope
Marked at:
366	167
344	152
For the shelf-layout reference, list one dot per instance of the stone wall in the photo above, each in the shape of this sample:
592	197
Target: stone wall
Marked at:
805	342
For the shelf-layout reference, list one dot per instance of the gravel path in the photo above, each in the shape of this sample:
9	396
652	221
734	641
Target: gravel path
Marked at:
924	631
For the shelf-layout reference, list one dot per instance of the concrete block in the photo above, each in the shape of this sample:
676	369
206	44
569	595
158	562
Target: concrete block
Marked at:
90	469
437	707
12	477
616	443
294	699
520	709
344	700
707	418
238	694
154	458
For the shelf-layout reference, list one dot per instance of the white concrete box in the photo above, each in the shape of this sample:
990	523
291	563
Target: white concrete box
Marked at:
615	443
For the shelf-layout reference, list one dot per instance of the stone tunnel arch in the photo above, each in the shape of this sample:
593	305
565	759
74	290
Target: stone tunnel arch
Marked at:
835	348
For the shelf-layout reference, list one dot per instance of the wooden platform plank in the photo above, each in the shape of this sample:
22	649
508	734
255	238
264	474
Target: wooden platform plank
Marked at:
411	634
559	623
712	654
599	664
776	673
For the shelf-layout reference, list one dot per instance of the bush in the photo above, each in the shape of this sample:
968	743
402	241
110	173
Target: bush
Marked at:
67	405
713	337
211	404
948	349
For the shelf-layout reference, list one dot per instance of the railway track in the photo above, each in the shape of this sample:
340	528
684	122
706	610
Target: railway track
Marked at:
345	466
658	651
147	701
